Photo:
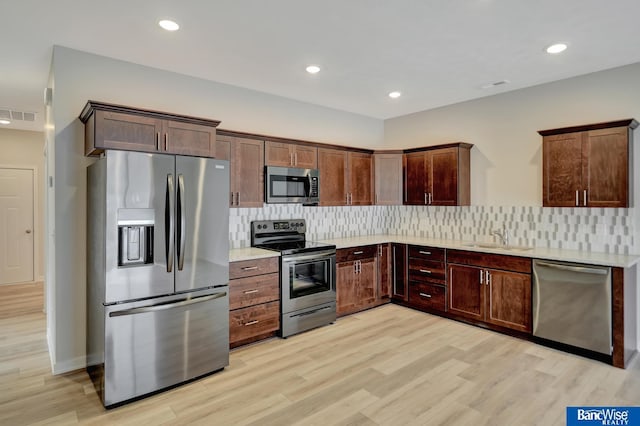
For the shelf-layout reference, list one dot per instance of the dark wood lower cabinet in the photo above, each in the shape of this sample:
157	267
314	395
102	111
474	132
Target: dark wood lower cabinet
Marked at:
254	300
466	294
356	287
384	271
501	298
399	258
248	324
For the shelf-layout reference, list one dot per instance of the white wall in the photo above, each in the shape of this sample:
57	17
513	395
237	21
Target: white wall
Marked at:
506	161
80	77
21	148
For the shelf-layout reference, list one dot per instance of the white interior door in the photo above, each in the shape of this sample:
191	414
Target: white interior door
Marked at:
16	225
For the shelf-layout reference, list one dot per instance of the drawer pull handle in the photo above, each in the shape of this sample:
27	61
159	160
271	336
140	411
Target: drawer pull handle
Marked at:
424	252
425	271
358	252
428	296
251	322
251	291
249	268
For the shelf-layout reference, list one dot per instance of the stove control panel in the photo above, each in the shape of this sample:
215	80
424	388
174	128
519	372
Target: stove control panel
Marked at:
289	226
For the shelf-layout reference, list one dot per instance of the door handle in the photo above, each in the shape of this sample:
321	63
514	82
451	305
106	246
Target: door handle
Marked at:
358	252
28	231
584	198
169	223
577	199
183	222
428	296
425	271
166	141
481	277
165	306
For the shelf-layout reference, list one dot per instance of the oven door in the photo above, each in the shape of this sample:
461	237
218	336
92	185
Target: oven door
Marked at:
308	280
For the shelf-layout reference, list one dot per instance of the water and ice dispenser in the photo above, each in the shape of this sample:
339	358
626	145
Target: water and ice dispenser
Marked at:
135	237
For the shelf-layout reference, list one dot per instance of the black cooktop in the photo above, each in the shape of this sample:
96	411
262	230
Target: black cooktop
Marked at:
291	247
286	236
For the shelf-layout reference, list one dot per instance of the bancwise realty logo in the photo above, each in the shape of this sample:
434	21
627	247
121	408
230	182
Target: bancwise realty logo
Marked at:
603	416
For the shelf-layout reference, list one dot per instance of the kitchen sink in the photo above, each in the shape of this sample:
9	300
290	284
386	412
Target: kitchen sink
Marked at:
498	246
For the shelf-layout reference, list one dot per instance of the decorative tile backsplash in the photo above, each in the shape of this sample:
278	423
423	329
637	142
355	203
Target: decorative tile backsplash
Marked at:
594	229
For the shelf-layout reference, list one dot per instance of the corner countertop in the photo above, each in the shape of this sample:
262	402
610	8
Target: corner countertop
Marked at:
564	255
250	253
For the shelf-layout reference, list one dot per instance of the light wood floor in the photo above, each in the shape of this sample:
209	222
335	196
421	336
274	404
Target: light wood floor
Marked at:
387	366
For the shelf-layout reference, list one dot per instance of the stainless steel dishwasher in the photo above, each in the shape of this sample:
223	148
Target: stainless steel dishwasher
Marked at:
572	304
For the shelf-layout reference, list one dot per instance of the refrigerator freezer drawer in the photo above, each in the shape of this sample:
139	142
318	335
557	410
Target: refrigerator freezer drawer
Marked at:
170	340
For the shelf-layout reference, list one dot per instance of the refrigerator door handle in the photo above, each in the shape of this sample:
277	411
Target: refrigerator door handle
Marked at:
164	306
169	223
182	219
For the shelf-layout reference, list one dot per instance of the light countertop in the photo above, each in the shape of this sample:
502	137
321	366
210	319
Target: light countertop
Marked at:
250	253
564	255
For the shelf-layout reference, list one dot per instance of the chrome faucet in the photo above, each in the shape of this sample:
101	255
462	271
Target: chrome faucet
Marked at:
502	234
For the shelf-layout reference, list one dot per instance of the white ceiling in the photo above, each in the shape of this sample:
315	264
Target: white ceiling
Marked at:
436	52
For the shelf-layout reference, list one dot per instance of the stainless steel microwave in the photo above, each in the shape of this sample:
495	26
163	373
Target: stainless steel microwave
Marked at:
292	185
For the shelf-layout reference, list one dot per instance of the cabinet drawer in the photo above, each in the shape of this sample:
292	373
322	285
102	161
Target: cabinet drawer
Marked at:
253	321
427	253
491	261
427	296
426	270
249	291
356	253
249	268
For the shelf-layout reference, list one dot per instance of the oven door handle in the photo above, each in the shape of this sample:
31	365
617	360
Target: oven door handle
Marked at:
315	256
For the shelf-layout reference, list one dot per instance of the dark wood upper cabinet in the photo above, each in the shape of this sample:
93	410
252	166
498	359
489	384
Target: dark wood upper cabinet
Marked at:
291	155
109	126
246	159
346	177
360	169
438	176
332	165
387	179
587	166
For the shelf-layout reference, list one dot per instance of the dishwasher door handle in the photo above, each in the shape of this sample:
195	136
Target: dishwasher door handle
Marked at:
580	269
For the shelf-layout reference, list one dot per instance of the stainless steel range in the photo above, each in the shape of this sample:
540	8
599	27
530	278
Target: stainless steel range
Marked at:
307	274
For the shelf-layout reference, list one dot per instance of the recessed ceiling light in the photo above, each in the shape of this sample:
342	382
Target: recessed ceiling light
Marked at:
313	69
395	95
556	48
3	121
169	25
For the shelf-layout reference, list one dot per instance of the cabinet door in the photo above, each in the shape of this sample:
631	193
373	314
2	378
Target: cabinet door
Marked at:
466	291
248	168
509	300
562	170
332	164
130	132
223	152
305	157
415	176
367	282
188	139
605	168
442	182
346	290
278	154
360	179
387	179
384	269
399	272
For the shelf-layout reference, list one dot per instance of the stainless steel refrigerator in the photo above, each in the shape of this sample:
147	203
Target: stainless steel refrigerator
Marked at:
157	271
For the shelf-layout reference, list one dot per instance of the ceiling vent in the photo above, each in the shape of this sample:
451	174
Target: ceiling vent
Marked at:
14	115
